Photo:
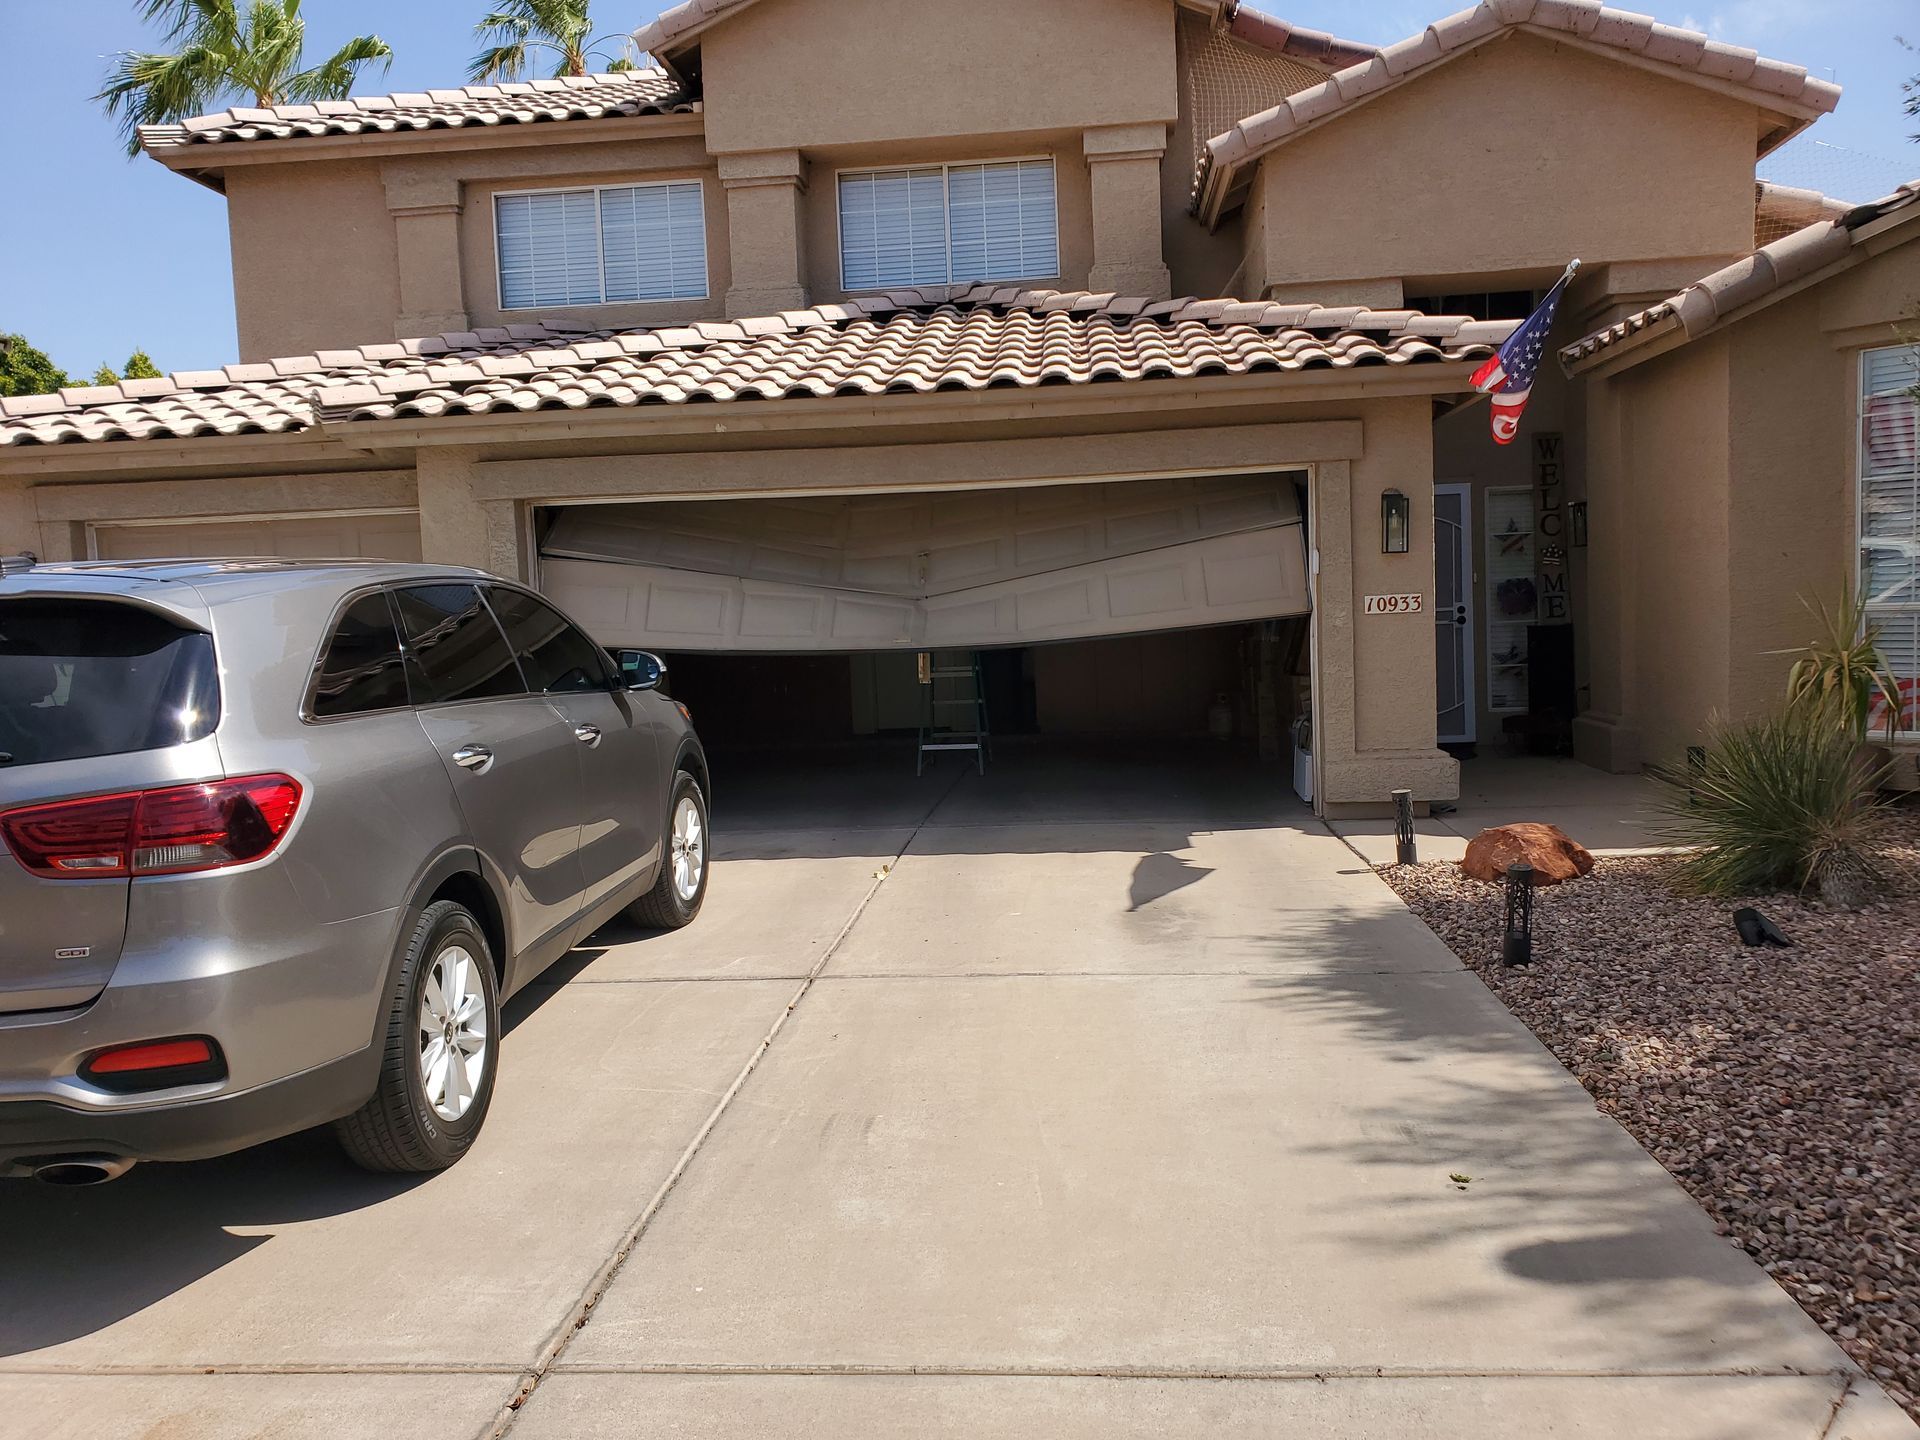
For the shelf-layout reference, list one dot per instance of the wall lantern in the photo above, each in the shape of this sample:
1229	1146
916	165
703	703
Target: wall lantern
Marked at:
1577	524
1396	523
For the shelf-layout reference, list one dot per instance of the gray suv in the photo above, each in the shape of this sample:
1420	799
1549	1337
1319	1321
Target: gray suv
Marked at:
277	838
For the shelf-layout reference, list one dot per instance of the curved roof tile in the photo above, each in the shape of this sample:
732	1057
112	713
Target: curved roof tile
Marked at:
919	341
576	97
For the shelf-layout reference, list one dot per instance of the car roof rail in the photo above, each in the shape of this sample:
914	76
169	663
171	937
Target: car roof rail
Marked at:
16	564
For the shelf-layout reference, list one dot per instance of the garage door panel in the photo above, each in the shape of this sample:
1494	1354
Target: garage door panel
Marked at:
1216	581
910	545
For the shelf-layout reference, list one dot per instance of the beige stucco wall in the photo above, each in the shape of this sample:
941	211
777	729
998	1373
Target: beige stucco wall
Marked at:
1513	158
807	73
1722	480
1374	674
315	265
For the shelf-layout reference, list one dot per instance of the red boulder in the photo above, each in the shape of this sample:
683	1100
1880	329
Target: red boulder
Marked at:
1555	858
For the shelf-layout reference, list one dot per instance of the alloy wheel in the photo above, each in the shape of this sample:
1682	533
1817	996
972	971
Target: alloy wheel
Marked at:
689	849
453	1032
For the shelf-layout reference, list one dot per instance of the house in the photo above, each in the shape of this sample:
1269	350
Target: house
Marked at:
861	328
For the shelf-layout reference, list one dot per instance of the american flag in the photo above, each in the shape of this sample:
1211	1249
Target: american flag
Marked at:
1508	376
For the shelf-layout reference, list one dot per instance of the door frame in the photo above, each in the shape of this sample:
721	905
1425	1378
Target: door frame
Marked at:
1469	652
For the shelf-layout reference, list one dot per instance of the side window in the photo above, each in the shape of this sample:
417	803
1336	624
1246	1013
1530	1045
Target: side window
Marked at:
553	654
456	649
362	669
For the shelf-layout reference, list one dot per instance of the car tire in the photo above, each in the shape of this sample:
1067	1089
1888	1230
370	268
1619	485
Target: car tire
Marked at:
442	1015
684	863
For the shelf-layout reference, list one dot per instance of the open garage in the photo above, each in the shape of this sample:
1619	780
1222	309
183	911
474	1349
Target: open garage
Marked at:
1171	608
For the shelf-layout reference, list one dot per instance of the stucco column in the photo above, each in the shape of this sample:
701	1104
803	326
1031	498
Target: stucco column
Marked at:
426	227
1374	674
1124	161
457	527
765	231
19	526
1607	735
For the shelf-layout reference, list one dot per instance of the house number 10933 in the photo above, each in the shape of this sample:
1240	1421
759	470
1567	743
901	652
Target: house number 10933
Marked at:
1395	604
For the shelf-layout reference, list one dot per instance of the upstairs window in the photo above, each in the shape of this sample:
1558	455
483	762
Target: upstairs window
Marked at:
609	244
1890	515
948	224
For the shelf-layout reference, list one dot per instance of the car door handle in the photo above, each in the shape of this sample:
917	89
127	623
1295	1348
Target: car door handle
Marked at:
473	757
587	734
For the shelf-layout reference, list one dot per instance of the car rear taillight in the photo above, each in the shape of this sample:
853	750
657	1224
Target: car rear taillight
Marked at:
172	831
156	1064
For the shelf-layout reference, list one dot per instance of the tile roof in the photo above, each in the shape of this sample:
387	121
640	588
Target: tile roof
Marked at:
1316	47
575	97
914	341
1772	81
1714	298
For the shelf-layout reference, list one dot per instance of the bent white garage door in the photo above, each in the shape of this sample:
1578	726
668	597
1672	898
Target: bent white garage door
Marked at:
971	568
390	535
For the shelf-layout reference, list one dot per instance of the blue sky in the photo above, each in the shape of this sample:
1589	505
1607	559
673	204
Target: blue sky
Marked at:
112	254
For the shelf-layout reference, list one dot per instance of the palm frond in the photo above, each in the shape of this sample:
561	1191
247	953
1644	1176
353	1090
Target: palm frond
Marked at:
333	78
153	89
516	27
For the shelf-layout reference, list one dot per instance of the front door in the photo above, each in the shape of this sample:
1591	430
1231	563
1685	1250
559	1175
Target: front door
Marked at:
1453	612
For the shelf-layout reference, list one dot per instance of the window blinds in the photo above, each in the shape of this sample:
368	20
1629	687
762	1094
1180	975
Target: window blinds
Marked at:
1890	511
939	224
610	244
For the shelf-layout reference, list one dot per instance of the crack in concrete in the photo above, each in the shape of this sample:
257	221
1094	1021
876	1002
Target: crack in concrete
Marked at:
1187	1372
557	1343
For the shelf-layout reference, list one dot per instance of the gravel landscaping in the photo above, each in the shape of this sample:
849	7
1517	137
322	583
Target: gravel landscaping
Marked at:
1781	1087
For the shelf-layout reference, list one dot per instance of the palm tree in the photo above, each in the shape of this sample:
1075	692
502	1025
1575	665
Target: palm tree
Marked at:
561	26
223	53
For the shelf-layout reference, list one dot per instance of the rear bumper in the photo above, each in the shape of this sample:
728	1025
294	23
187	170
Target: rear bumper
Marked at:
194	1129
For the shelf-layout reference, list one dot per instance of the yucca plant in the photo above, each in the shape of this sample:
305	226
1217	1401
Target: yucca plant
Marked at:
1778	803
1842	672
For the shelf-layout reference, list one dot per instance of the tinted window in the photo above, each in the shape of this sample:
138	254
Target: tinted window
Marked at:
362	669
553	655
80	678
456	648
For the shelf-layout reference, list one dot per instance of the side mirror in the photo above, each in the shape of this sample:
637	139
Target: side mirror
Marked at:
640	669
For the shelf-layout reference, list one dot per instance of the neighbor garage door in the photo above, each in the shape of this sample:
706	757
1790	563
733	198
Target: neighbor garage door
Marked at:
967	568
391	536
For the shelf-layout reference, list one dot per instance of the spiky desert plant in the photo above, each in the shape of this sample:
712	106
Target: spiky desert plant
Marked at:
1778	803
1841	672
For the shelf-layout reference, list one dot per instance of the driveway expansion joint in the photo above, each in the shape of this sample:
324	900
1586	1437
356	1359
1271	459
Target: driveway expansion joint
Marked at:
557	1343
1278	1373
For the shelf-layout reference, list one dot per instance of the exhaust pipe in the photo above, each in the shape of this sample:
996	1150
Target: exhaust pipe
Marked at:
82	1169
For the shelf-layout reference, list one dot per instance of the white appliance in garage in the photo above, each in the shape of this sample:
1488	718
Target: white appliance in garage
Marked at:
961	569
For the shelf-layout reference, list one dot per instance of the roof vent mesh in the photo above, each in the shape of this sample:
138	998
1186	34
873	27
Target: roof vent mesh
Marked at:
1224	80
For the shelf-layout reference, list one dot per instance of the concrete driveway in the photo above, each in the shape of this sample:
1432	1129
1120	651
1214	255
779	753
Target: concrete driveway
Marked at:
1094	1098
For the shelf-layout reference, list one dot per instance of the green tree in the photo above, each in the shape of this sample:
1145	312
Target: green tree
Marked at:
140	366
25	370
517	27
223	53
104	376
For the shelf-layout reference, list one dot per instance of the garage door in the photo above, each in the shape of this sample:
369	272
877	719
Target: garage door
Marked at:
968	568
392	536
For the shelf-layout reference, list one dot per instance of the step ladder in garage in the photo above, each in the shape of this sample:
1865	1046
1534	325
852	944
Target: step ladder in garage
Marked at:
955	714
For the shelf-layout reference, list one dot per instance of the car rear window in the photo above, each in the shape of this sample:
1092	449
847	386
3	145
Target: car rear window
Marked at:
81	678
457	650
362	670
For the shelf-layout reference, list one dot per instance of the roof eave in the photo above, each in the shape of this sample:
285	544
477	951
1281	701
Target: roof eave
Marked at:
208	162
